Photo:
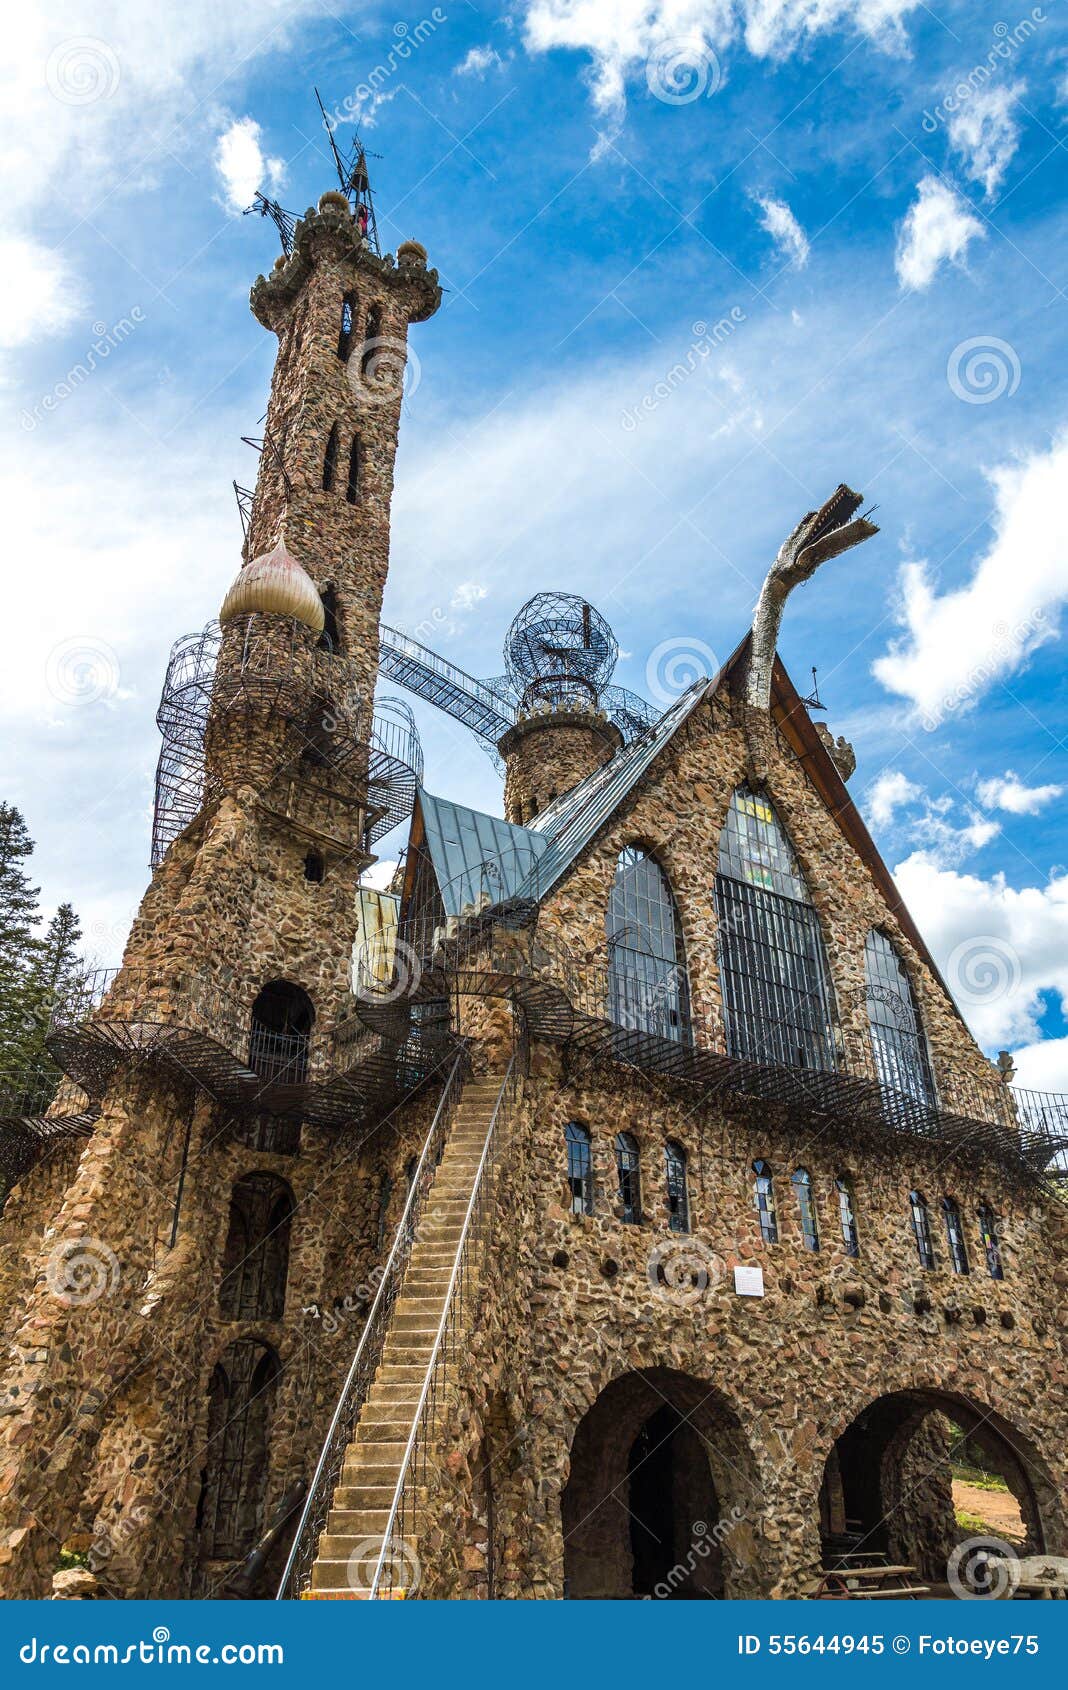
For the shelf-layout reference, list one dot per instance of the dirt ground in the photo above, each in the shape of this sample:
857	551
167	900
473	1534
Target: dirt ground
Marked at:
998	1509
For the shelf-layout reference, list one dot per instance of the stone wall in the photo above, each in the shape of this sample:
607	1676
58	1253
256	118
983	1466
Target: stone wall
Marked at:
547	754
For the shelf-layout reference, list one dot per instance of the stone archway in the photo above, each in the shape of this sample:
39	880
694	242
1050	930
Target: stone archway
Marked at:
888	1481
662	1494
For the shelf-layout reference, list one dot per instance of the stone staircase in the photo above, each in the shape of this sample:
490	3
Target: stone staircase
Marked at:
372	1466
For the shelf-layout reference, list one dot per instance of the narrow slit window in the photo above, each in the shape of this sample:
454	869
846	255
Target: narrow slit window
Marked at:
348	318
921	1226
330	638
372	331
806	1208
764	1200
847	1215
352	490
330	460
579	1167
628	1166
988	1232
678	1198
313	867
958	1249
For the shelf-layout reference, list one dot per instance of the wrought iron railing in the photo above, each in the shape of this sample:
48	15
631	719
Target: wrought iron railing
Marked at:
366	1360
400	1538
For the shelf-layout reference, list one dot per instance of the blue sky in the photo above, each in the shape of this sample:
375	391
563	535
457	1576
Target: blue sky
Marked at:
703	261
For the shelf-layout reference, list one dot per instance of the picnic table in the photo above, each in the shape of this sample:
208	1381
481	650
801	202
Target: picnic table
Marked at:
868	1582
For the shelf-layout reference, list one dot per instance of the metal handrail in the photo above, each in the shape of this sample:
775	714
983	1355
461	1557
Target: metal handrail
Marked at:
402	1241
446	1312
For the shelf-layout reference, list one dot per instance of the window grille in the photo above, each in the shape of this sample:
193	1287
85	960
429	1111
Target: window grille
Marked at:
764	1199
958	1249
281	1025
847	1216
348	317
579	1168
810	1232
898	1044
988	1232
241	1394
677	1195
256	1258
921	1226
628	1165
647	986
773	972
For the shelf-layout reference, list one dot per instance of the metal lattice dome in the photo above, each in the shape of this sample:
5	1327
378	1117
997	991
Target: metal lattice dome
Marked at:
559	651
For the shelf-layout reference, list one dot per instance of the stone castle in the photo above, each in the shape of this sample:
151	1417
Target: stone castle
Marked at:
616	1206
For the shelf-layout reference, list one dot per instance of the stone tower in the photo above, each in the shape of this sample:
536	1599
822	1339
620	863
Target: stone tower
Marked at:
218	1061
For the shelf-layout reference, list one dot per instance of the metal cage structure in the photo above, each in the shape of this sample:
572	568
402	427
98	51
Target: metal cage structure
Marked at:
559	652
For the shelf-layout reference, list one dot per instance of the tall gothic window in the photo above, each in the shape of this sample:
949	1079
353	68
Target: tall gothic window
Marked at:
897	1040
988	1232
677	1195
847	1215
764	1199
776	995
256	1258
348	318
240	1399
801	1180
579	1167
921	1226
647	986
330	460
628	1167
352	486
958	1249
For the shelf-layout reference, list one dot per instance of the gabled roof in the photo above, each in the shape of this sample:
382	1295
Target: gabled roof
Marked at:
462	842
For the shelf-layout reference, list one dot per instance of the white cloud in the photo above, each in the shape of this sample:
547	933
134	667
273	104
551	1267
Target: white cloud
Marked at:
1042	1066
887	793
986	134
1008	792
477	62
790	239
999	948
959	642
938	227
242	166
625	38
40	295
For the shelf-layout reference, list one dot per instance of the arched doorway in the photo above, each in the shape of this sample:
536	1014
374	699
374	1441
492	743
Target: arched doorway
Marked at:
281	1023
661	1495
920	1471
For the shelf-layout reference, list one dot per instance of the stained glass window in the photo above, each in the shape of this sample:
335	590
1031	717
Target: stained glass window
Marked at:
677	1195
628	1167
579	1168
988	1232
847	1215
921	1226
647	987
764	1198
810	1231
958	1249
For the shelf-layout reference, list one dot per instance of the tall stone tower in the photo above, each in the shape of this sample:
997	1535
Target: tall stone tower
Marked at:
219	1057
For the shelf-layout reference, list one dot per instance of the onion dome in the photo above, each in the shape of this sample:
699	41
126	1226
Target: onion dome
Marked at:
275	584
412	252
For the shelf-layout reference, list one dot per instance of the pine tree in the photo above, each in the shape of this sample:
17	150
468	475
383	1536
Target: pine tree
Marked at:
19	915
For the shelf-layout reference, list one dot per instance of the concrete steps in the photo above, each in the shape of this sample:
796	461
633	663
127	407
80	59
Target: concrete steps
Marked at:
350	1544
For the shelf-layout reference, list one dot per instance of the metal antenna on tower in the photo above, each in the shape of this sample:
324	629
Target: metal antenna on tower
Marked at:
353	176
284	221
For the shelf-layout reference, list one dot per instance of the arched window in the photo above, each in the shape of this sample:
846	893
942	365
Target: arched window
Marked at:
256	1258
801	1180
988	1232
240	1399
921	1226
764	1199
678	1197
847	1215
352	486
628	1166
372	331
958	1250
330	638
282	1018
773	972
348	318
897	1040
330	460
647	987
579	1167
